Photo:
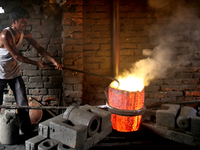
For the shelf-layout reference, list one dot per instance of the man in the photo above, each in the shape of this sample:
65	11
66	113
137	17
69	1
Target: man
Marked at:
10	40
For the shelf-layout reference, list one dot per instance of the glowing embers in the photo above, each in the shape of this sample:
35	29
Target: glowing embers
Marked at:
125	123
125	100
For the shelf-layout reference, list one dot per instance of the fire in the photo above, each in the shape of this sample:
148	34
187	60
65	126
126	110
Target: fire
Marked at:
129	83
128	96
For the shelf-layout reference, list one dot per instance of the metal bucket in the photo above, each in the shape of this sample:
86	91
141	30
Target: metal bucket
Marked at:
127	109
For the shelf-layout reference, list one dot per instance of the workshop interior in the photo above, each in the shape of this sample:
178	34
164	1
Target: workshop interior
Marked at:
130	75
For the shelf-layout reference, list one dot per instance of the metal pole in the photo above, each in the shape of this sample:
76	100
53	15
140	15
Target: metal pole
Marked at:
32	107
115	36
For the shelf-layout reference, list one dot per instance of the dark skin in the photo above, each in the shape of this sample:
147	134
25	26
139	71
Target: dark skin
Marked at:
6	41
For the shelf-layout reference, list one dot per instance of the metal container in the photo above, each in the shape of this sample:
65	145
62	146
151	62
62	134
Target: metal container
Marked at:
126	108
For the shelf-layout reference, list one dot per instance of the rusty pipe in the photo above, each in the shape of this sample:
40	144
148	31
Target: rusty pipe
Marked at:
115	37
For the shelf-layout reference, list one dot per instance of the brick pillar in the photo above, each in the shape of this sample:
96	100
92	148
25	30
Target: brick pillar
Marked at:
73	51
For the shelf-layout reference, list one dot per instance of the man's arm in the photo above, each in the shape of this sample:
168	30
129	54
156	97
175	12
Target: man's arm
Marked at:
41	50
7	40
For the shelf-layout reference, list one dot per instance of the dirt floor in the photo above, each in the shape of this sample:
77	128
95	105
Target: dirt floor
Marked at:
141	139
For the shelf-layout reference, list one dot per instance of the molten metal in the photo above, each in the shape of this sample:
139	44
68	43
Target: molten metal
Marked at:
125	100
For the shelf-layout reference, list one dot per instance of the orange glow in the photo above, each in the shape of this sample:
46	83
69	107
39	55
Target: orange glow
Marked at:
125	100
129	82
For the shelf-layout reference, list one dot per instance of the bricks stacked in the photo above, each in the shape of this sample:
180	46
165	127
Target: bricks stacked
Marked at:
73	50
79	128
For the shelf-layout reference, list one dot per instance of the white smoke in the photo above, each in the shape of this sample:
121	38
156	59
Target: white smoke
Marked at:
177	41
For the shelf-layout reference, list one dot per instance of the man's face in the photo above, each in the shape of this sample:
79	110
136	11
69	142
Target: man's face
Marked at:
20	24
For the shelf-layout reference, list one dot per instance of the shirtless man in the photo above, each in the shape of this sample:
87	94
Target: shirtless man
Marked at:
10	40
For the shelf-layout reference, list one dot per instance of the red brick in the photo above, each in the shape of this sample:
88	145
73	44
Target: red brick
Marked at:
89	53
126	52
73	2
91	46
78	35
78	48
191	81
192	93
73	55
72	41
105	66
103	21
93	78
87	8
105	34
89	22
100	28
76	21
78	62
152	88
91	66
138	14
72	14
105	46
173	81
125	8
95	2
172	94
68	48
100	40
91	34
157	94
103	53
106	8
72	28
127	45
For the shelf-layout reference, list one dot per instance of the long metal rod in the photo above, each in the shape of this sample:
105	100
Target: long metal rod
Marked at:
83	71
33	107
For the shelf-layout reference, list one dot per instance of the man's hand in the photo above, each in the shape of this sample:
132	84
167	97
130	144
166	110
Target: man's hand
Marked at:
41	64
58	66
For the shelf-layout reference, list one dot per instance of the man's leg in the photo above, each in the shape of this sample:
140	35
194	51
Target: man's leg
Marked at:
18	87
2	86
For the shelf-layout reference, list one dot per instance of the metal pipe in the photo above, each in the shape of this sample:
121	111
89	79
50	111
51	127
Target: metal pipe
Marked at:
32	107
115	37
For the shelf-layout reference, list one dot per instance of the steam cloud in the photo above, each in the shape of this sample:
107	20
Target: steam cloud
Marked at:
176	38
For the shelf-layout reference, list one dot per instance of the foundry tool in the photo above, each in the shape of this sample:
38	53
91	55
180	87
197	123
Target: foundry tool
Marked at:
86	72
57	107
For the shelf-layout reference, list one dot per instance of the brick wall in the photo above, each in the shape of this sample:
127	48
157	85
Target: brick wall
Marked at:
96	49
142	24
42	84
145	26
73	51
82	40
